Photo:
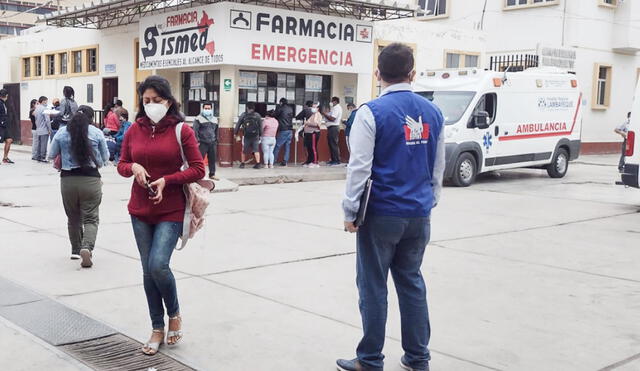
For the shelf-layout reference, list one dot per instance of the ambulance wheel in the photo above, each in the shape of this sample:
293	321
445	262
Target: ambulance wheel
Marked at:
559	165
465	171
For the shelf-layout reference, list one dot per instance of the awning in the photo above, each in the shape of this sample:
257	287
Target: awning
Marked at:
113	13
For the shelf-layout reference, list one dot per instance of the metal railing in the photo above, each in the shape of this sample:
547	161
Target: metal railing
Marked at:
515	62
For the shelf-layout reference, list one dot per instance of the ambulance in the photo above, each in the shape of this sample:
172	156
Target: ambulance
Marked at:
632	157
506	120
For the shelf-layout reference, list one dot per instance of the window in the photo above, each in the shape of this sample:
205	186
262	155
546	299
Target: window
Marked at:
609	3
453	104
512	4
488	104
433	8
63	59
51	64
200	87
455	59
26	67
76	60
92	60
602	86
37	66
89	93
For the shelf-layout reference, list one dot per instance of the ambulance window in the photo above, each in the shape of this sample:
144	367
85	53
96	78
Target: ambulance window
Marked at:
488	103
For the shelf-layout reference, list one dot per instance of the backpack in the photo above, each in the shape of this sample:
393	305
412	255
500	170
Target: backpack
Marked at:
252	125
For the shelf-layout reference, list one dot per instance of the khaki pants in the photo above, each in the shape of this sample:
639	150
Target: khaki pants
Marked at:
81	196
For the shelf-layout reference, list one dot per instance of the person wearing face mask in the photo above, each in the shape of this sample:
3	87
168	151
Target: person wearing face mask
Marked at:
151	155
43	128
347	126
312	136
334	117
205	126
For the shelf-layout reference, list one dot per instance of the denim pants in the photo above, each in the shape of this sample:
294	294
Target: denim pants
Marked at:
267	148
384	244
283	139
156	243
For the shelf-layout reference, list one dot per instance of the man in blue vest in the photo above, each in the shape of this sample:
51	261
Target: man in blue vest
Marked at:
397	141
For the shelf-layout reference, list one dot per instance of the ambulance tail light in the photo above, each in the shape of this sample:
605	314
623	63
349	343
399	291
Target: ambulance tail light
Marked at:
497	82
574	83
631	143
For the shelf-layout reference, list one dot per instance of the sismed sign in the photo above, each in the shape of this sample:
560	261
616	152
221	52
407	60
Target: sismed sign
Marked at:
232	33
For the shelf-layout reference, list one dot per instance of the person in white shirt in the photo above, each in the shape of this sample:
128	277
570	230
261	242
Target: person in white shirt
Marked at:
334	117
623	130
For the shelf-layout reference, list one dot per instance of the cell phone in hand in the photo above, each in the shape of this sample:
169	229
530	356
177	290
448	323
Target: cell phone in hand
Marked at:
152	192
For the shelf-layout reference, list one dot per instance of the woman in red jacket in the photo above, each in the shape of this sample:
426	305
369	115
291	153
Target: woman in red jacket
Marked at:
150	152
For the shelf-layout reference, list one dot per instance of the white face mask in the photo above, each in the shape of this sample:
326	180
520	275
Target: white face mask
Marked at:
155	111
314	110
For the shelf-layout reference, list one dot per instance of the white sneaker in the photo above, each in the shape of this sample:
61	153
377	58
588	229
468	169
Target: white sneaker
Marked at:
315	166
307	165
75	256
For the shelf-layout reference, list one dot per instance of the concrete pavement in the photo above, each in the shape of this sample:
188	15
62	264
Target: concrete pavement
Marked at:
524	272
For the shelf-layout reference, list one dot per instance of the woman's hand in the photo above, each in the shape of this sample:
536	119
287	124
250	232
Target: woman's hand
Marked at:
158	186
140	174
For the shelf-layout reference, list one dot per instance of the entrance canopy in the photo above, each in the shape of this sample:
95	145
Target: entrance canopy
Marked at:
113	13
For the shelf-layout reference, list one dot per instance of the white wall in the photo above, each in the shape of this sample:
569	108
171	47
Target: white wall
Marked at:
591	30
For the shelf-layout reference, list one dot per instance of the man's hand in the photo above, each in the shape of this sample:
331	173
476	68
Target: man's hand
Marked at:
350	227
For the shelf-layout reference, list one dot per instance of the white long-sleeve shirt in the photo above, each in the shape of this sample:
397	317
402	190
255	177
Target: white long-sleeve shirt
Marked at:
362	141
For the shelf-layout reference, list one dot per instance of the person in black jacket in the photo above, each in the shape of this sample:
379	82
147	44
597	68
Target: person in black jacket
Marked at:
205	126
284	115
5	132
250	122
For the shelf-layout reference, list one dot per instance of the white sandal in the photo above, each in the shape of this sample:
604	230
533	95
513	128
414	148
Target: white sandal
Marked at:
175	334
153	347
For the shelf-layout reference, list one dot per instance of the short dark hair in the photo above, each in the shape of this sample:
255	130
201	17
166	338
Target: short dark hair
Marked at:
395	63
119	103
271	113
308	103
124	113
87	111
335	99
162	87
628	114
4	93
283	101
251	106
207	104
68	92
350	105
42	99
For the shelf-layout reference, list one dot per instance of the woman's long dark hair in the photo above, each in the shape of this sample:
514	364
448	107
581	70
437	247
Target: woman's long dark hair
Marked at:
161	86
78	128
68	92
32	106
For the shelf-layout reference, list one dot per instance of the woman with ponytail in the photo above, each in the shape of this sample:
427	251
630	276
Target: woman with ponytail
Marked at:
83	150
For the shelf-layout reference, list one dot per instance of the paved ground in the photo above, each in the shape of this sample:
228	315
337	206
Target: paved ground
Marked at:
524	273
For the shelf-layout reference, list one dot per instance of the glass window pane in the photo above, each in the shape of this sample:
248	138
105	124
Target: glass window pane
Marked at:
453	60
602	73
471	61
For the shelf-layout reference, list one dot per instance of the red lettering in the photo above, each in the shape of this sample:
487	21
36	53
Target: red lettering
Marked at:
334	57
291	54
255	51
313	56
302	55
268	52
323	56
348	61
280	53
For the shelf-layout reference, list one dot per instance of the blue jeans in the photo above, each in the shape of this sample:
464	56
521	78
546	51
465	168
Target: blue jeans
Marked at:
398	244
156	243
283	139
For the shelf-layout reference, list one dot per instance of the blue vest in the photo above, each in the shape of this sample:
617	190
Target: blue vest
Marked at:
407	131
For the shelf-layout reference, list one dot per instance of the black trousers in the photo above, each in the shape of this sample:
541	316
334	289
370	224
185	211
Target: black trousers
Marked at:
333	137
311	144
211	150
624	149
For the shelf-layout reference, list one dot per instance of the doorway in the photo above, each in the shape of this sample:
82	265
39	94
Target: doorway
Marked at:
13	106
109	90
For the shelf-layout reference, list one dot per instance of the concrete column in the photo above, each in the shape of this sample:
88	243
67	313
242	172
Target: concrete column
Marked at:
363	89
228	108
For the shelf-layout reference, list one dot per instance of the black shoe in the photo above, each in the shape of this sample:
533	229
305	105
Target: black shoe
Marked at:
7	161
242	165
283	164
405	366
353	365
257	166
